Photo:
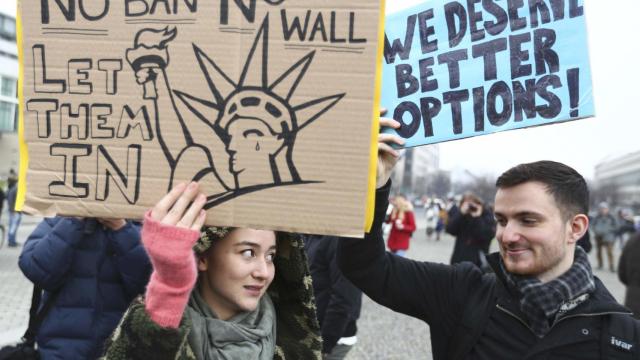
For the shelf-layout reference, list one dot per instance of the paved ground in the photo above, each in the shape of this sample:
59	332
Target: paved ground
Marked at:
15	289
382	334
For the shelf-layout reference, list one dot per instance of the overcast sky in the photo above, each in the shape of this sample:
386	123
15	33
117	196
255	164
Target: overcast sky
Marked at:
615	65
8	7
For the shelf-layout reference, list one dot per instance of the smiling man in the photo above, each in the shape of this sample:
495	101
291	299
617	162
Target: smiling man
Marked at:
541	302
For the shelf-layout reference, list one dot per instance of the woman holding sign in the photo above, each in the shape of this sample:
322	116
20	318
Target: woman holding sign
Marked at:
244	294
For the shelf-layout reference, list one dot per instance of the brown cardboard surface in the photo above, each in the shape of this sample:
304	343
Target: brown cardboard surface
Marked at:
124	99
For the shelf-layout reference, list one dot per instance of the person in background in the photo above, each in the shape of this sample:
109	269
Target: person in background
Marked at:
15	216
474	227
12	179
451	202
443	218
338	301
604	228
626	227
629	273
2	198
432	212
403	224
92	269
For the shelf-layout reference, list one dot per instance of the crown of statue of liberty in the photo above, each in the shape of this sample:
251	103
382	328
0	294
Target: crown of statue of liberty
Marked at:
272	100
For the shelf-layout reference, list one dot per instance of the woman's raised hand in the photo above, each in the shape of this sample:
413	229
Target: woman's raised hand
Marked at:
181	207
172	230
169	232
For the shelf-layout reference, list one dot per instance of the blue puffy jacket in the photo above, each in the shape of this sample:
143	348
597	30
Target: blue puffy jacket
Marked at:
97	272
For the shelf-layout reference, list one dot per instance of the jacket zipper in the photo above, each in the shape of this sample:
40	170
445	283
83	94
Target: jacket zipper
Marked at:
589	315
516	317
561	319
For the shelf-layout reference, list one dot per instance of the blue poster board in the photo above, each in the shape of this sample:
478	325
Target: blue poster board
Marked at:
457	69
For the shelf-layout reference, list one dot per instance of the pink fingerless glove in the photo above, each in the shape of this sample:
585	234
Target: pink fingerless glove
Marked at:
170	249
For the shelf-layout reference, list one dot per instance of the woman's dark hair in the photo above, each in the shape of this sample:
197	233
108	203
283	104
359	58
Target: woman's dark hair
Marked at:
567	186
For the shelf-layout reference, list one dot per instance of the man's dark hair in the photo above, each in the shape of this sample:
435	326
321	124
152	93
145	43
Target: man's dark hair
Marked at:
567	186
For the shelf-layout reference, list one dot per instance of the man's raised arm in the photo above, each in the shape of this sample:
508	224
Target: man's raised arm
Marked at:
428	291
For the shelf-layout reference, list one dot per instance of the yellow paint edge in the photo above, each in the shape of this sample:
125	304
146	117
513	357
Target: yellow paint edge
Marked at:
375	128
24	153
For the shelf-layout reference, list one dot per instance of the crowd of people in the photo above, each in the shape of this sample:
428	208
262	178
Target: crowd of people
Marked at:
172	288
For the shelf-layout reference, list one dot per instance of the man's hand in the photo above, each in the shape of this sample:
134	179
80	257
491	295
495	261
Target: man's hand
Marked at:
387	156
113	224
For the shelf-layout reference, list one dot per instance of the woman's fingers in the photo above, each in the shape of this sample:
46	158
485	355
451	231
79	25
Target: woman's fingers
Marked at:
199	223
162	207
178	209
192	214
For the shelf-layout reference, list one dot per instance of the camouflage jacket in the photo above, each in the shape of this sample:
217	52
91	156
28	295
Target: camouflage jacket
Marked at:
298	332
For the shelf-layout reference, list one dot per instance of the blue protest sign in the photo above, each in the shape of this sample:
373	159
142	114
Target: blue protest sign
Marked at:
456	69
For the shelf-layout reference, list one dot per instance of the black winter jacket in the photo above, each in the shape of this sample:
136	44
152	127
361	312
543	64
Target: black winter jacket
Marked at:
472	315
472	235
629	273
338	301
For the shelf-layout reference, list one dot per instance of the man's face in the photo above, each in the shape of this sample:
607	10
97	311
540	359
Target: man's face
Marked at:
534	238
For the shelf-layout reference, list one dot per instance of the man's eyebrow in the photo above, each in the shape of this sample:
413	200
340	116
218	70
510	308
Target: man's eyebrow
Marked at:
528	213
519	214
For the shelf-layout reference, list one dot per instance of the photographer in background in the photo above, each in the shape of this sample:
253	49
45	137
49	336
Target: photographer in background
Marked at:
473	226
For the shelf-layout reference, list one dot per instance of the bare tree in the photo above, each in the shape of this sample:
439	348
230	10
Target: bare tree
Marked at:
609	192
482	186
439	184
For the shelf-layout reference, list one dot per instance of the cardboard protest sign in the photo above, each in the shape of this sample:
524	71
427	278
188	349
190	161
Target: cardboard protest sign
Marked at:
268	104
455	69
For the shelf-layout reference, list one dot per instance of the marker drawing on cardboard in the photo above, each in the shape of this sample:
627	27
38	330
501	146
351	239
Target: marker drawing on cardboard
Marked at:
121	101
256	124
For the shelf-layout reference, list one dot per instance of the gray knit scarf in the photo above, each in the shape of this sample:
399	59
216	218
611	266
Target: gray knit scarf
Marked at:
250	335
543	303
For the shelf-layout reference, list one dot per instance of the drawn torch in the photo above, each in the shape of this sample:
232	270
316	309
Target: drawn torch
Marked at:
150	52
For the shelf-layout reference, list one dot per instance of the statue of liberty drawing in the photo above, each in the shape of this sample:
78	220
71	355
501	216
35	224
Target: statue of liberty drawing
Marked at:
251	128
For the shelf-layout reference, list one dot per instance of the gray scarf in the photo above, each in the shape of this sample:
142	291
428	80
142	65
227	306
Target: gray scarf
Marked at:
543	303
249	335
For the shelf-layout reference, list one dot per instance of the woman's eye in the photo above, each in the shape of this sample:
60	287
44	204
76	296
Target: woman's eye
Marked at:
270	257
247	253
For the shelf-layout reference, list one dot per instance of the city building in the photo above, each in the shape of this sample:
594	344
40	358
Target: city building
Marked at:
9	155
411	174
620	178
